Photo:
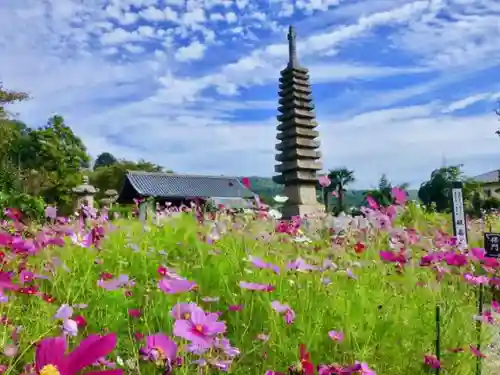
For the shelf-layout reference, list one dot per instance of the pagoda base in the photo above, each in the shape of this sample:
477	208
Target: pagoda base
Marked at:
291	210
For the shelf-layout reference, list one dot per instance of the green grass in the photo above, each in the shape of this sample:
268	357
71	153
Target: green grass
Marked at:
388	320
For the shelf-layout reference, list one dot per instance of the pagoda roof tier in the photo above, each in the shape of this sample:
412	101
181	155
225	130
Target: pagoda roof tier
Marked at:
294	70
291	74
297	88
297	122
298	165
295	81
296	113
292	143
296	177
295	96
298	153
296	104
297	133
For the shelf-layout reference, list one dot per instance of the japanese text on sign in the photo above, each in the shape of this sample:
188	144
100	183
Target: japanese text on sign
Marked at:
492	244
459	223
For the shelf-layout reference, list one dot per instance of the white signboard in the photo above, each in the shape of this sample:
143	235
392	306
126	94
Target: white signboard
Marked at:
459	223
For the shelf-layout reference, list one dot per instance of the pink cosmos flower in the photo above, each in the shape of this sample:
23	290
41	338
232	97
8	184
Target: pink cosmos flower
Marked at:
476	280
336	336
159	348
392	257
51	212
175	286
51	357
114	284
201	329
399	195
495	306
372	203
285	310
324	181
476	352
455	259
259	263
431	361
183	310
235	307
301	265
255	286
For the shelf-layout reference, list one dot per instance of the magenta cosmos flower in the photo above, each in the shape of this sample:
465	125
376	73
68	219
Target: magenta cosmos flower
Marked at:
255	286
201	328
51	358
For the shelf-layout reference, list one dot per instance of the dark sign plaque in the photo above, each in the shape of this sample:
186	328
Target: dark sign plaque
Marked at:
492	245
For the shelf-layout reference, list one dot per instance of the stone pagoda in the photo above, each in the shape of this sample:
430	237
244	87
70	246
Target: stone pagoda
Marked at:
298	157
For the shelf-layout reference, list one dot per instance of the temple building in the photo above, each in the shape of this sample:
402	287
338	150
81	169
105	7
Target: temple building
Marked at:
298	150
182	189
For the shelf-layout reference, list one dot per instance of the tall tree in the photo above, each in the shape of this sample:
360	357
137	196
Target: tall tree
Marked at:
340	177
436	190
57	156
104	159
10	132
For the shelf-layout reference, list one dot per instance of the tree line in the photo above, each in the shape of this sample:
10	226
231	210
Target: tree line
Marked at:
434	194
40	166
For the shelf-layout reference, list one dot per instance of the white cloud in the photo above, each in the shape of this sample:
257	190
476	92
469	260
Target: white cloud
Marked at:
134	48
471	100
152	14
117	36
462	38
124	85
216	17
193	51
194	17
231	17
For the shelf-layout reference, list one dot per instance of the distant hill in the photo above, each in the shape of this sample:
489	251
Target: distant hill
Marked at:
267	189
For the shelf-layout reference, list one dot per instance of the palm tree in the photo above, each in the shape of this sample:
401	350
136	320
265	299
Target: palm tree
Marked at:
341	177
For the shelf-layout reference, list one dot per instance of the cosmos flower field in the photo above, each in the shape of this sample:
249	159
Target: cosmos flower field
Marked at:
244	294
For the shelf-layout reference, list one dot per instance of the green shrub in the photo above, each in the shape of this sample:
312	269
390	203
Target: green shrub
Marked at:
31	207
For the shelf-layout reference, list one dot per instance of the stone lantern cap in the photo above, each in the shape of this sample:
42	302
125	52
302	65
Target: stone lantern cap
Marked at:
85	188
110	193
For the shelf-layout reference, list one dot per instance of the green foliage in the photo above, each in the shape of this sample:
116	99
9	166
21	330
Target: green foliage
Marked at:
437	189
105	159
376	310
265	188
491	203
31	207
123	211
436	193
340	178
112	176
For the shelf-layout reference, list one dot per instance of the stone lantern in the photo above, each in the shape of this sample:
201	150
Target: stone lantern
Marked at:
110	197
84	194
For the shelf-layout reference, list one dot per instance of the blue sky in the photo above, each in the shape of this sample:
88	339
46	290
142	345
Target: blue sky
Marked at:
400	86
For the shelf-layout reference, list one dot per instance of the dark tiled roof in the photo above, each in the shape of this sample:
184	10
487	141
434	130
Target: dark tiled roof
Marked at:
488	177
164	185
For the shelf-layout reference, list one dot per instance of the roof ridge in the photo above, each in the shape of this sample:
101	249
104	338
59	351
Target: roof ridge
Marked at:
485	173
130	171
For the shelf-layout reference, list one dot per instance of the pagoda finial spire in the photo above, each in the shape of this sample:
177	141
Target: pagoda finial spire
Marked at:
292	48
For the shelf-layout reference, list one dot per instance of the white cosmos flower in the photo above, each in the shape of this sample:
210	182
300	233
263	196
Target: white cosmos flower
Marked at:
280	199
302	239
275	214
